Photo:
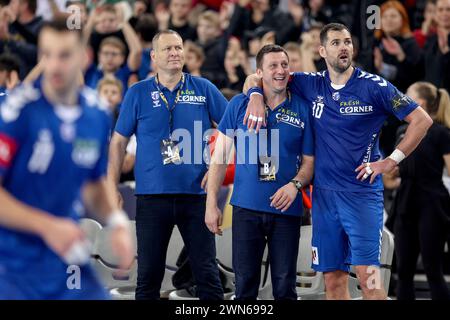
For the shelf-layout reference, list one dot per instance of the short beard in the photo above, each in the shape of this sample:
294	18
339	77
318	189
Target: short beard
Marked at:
340	69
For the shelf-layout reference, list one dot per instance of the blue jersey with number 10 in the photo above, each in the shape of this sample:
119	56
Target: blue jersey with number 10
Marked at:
347	124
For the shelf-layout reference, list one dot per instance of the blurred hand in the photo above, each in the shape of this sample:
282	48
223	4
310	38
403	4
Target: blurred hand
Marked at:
377	59
122	245
13	80
8	15
120	13
284	197
213	218
393	48
268	38
60	234
162	15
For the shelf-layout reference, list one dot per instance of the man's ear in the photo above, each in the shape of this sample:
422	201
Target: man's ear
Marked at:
259	72
322	52
152	55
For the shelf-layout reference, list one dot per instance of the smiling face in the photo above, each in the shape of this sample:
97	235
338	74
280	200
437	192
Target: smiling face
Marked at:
274	71
168	53
337	50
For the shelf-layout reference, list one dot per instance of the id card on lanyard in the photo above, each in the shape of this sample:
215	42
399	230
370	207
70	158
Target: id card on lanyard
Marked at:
169	148
268	165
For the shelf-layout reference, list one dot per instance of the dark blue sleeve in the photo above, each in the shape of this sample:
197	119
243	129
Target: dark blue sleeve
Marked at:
127	121
392	100
102	162
308	133
216	102
303	84
228	124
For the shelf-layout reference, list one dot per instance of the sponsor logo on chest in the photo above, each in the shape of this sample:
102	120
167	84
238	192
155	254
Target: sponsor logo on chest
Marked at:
85	152
289	117
354	108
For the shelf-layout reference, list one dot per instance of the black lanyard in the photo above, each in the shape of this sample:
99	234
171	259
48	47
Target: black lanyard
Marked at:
166	102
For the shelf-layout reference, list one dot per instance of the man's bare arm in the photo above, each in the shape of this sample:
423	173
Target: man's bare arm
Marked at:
419	122
256	107
117	149
216	175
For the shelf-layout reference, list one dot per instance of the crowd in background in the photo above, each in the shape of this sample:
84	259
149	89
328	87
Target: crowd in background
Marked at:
222	38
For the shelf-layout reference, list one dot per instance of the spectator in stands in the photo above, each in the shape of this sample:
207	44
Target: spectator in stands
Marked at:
176	18
113	59
214	45
397	56
9	72
248	15
194	58
27	24
146	28
428	26
154	109
295	57
110	90
140	7
437	50
104	22
315	13
255	40
312	61
421	209
225	14
14	35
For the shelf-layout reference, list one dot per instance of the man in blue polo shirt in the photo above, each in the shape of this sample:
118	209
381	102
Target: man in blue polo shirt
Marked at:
271	168
170	114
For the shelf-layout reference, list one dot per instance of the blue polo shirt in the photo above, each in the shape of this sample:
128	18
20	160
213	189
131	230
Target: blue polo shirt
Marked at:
289	126
94	74
145	114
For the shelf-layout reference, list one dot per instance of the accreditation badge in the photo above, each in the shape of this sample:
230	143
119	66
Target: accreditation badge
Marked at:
170	152
267	169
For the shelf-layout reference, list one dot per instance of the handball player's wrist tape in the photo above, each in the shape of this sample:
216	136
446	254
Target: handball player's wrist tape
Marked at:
117	218
254	90
397	155
79	253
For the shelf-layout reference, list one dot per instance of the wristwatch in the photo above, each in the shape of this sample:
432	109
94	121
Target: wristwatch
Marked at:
297	184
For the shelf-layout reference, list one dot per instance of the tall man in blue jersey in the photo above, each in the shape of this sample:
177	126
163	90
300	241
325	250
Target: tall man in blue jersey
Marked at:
170	114
54	142
271	168
349	107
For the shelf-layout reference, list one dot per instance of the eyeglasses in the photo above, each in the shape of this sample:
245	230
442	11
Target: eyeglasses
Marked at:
110	54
